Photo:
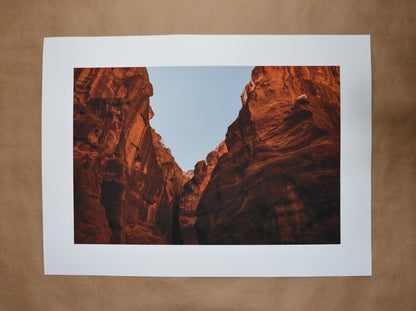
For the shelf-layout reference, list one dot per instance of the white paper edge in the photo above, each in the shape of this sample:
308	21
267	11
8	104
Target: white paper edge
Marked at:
350	258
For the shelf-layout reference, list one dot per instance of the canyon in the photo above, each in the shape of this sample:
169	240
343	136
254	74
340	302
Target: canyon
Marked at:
275	179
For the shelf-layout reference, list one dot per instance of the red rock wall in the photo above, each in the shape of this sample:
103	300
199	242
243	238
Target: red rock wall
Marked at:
192	192
125	182
275	178
279	182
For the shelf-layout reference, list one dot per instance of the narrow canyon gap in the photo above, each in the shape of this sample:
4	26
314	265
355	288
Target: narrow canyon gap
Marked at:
275	179
193	107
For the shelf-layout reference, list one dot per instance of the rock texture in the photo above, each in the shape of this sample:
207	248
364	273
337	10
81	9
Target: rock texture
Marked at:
126	184
279	182
193	190
274	180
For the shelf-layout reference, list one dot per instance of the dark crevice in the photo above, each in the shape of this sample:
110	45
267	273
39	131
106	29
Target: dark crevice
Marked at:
111	193
176	228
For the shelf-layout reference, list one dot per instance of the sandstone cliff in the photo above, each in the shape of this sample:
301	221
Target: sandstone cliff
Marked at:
192	192
126	183
279	182
274	180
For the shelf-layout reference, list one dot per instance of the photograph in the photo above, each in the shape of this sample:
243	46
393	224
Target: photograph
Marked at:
206	155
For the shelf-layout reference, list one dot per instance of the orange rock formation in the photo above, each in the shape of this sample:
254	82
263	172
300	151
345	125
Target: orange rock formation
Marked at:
280	180
274	180
125	183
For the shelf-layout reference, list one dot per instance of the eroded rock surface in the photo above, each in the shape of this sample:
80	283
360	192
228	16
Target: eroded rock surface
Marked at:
279	182
193	190
274	180
125	182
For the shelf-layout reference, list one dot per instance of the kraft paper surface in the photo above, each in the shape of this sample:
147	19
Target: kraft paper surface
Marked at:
391	24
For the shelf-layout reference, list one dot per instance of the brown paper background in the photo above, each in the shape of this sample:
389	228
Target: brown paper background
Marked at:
392	25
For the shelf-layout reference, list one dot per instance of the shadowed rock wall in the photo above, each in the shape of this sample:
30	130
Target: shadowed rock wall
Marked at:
125	181
279	182
274	180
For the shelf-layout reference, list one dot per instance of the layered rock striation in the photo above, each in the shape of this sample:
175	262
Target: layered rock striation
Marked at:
192	192
126	184
274	180
279	182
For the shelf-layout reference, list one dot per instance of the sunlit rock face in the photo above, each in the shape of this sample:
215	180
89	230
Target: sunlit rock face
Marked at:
126	184
275	179
279	182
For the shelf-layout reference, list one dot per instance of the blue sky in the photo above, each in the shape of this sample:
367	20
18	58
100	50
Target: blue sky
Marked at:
194	106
